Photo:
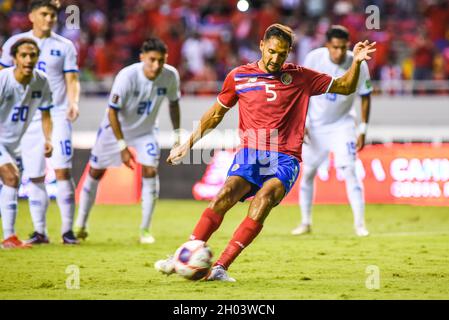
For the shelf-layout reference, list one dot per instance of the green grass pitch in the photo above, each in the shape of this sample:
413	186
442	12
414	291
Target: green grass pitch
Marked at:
409	245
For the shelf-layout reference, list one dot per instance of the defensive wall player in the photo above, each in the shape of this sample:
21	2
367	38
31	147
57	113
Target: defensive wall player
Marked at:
330	126
131	121
23	90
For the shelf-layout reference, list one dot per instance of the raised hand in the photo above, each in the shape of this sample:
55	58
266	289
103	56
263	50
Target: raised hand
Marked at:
363	50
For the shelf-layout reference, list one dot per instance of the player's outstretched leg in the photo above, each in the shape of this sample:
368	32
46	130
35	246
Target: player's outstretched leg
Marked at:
87	200
265	199
233	190
150	194
305	200
354	190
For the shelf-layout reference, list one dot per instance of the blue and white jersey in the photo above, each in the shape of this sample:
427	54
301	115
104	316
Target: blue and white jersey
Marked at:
19	103
138	99
330	111
58	56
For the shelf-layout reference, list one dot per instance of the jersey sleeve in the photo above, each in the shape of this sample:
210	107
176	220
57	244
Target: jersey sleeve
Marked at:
174	90
119	91
70	59
364	86
47	101
228	97
6	59
316	82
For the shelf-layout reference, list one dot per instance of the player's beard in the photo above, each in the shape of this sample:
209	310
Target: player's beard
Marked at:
272	69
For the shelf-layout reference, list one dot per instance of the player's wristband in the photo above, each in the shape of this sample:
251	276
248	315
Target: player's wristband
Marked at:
122	145
363	128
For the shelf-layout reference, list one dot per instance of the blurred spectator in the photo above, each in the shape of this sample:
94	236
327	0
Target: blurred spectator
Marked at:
437	16
266	16
315	8
306	41
195	51
391	76
423	58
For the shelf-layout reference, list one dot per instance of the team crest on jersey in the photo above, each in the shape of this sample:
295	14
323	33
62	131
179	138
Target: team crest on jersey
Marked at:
286	78
235	167
161	91
55	52
36	94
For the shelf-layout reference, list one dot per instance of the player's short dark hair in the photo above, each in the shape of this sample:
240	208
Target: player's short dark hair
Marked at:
153	44
337	31
21	41
36	4
279	31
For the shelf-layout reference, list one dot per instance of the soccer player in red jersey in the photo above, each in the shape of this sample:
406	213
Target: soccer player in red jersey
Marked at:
273	99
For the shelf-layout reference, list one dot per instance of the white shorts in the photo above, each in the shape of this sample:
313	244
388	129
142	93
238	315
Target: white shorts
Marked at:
10	154
341	142
33	146
106	152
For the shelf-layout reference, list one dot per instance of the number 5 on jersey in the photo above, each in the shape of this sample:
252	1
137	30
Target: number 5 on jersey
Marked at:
271	94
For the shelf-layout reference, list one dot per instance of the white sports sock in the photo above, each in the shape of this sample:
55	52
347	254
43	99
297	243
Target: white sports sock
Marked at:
150	193
306	194
354	191
38	201
65	197
87	200
8	208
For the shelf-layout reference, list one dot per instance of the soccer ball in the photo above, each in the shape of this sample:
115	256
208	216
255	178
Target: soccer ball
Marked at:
193	260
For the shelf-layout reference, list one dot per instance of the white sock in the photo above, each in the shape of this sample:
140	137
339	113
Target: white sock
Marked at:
306	194
87	200
65	197
354	191
8	208
150	193
38	200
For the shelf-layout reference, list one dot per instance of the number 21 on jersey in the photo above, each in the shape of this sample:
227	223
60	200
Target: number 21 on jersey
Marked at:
144	107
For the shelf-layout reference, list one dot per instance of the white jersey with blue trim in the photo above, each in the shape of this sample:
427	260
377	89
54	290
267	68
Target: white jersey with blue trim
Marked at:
19	103
138	98
329	111
58	56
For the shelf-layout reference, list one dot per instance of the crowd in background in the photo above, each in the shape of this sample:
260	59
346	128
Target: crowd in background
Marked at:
207	38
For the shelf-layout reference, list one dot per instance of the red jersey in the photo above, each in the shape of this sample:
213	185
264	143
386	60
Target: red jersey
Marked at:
272	106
